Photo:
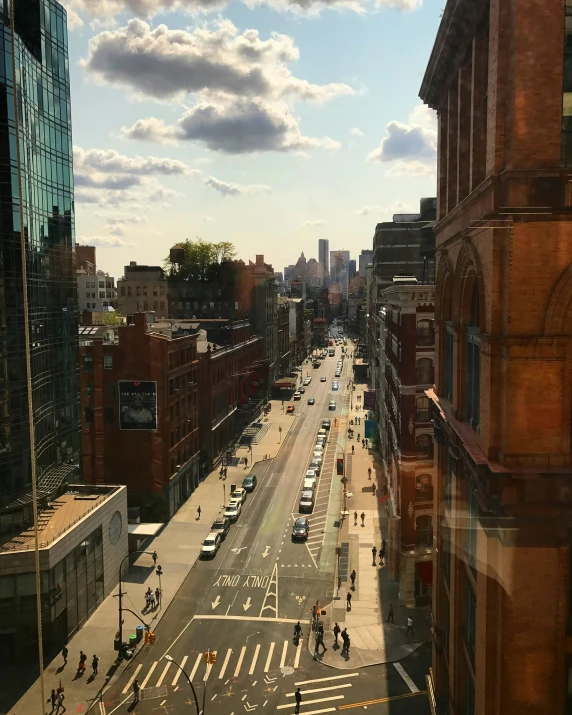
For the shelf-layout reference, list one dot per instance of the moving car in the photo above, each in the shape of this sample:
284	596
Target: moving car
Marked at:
232	511
335	386
249	482
311	401
306	500
301	390
301	528
221	526
290	409
297	395
338	373
332	405
307	381
323	378
210	545
326	423
239	494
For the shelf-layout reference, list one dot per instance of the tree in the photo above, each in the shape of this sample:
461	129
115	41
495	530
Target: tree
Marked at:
112	318
200	257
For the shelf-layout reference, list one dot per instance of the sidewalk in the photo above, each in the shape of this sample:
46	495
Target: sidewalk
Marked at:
373	640
178	547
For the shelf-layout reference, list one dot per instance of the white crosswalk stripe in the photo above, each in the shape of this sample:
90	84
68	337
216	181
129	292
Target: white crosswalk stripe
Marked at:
234	664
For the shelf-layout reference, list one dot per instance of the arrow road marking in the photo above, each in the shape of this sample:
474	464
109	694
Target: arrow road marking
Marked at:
268	679
265	552
237	550
248	707
247	605
216	602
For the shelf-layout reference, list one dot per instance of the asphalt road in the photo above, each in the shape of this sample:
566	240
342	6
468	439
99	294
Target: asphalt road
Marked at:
244	603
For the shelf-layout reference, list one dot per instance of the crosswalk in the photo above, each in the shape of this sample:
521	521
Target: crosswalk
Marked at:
256	658
325	694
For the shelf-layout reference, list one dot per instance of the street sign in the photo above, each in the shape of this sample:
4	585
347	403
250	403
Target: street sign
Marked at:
344	481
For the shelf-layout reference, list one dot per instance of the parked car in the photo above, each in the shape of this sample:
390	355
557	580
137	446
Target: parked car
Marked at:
311	401
232	511
301	528
306	500
338	374
307	381
309	483
332	405
221	526
301	390
239	494
249	482
316	466
322	432
311	474
323	378
297	395
319	448
318	457
326	423
210	545
290	408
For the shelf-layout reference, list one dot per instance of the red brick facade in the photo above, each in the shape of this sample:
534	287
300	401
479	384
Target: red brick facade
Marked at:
502	402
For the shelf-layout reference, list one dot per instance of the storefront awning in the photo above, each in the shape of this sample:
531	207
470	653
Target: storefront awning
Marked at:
142	530
425	571
285	383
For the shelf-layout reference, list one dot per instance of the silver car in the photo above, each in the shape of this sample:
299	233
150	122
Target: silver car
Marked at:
306	501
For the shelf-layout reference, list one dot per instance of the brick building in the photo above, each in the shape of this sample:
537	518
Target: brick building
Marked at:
140	413
283	338
406	352
142	289
500	78
85	263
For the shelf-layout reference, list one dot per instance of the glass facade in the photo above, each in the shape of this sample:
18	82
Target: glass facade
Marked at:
39	96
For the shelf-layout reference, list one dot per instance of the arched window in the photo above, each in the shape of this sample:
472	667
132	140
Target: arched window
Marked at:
423	488
422	409
473	365
424	446
424	371
423	531
425	332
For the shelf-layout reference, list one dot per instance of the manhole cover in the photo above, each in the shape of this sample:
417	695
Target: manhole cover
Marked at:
287	670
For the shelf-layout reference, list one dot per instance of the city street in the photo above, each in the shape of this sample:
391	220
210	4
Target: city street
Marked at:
244	603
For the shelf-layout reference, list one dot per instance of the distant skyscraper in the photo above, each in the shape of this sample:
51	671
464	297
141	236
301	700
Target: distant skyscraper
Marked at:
339	261
352	270
45	210
324	257
366	257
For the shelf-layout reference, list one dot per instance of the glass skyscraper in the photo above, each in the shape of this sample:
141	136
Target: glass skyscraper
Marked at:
35	114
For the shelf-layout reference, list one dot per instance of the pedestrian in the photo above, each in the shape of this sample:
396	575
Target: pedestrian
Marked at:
349	602
355	518
81	664
373	554
363	443
152	600
337	631
53	699
158	595
314	614
409	626
297	633
61	698
383	543
382	555
373	489
320	642
136	689
353	578
369	472
94	664
390	614
298	698
198	512
246	462
347	644
353	449
362	516
65	655
345	640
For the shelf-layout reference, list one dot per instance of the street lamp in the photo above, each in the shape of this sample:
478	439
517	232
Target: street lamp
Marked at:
184	672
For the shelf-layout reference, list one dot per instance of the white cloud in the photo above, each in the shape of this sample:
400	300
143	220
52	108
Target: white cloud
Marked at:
242	126
208	219
118	225
109	160
384	213
313	223
356	132
74	20
411	168
104	241
229	189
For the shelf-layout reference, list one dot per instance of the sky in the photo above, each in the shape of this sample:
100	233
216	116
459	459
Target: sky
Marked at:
267	123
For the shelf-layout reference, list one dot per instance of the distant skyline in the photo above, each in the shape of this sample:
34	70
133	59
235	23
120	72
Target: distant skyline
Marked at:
270	123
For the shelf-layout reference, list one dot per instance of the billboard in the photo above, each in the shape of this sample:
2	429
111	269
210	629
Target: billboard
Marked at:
369	400
137	405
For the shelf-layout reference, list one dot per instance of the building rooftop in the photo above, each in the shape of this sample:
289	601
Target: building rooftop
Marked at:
77	501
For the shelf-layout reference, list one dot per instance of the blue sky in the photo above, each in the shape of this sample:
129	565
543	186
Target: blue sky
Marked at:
192	125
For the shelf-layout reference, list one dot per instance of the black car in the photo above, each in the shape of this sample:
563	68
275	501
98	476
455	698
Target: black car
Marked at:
249	482
326	424
221	526
301	528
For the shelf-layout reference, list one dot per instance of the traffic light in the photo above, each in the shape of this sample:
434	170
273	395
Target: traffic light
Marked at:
210	657
159	570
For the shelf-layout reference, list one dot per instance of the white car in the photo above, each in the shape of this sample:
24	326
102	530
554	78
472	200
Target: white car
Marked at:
239	494
318	457
307	381
332	405
297	396
335	386
211	544
320	442
233	510
309	484
306	501
323	433
323	378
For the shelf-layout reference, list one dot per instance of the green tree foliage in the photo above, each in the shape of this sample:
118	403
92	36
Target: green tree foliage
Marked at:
200	258
112	319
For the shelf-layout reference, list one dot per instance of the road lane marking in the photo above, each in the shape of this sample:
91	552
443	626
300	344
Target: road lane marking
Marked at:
312	702
321	690
267	666
254	659
331	677
283	658
208	670
262	619
298	654
225	663
149	674
240	659
130	683
410	684
195	666
163	674
120	704
380	700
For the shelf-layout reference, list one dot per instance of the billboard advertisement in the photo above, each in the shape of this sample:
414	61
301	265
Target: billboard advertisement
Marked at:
369	400
137	405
